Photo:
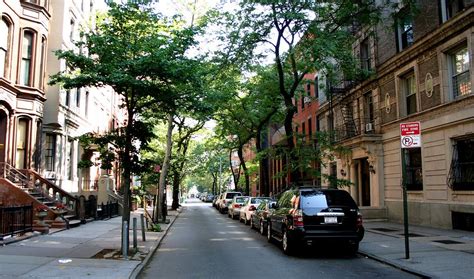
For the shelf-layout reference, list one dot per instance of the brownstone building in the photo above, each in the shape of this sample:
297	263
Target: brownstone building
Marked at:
24	31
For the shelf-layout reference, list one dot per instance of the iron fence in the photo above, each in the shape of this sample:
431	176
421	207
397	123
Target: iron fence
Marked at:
109	210
16	220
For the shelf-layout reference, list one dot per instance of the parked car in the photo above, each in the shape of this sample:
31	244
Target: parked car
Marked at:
235	206
258	220
215	200
306	216
225	200
249	207
209	198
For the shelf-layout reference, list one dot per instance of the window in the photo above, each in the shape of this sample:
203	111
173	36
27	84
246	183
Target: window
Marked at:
409	91
414	171
70	165
461	175
459	69
303	130
72	26
369	111
26	58
78	97
365	55
68	97
87	103
316	87
50	152
450	8
310	129
4	46
22	143
404	30
42	62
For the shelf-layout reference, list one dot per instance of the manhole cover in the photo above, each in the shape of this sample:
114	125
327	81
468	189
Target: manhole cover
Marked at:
447	241
384	230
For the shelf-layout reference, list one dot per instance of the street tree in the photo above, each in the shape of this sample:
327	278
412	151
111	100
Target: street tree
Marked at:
141	55
297	38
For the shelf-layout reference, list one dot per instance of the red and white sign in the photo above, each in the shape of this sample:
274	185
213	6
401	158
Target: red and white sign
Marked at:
410	134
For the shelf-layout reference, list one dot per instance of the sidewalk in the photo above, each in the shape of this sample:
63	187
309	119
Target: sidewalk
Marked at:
85	251
434	253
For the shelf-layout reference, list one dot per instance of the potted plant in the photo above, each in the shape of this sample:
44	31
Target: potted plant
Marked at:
42	210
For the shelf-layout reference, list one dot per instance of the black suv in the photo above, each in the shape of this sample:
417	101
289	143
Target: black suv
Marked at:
307	215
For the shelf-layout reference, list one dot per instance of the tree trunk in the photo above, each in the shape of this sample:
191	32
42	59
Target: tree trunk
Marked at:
126	176
235	175
164	172
263	168
244	167
176	182
293	158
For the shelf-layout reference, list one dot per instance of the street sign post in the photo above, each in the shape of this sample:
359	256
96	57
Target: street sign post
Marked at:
410	137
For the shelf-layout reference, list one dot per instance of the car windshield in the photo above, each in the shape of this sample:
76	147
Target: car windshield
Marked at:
240	200
318	199
231	195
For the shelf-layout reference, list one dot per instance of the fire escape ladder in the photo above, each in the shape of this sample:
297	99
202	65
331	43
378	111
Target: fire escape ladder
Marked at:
348	119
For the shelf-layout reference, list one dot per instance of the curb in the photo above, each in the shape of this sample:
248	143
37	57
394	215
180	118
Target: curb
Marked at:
395	265
136	271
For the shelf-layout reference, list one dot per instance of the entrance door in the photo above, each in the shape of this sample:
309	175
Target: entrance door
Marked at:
3	135
365	182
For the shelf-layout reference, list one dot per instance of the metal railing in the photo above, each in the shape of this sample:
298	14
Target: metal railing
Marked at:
109	210
15	220
15	176
354	127
461	84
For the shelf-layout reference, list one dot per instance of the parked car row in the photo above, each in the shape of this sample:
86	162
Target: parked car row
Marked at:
206	197
304	216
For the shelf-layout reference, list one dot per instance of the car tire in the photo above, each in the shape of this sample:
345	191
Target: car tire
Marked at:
353	247
287	244
262	228
269	232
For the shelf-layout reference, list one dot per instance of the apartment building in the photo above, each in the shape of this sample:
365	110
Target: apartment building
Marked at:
71	113
422	72
24	34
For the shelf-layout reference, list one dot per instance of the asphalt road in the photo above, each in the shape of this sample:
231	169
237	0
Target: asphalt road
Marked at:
202	243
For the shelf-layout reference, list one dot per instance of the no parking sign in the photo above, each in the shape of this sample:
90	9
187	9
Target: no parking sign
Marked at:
410	134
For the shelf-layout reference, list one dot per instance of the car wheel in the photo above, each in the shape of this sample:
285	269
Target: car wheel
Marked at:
287	244
262	228
269	232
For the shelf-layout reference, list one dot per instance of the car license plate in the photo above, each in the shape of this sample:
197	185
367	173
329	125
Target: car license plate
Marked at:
330	220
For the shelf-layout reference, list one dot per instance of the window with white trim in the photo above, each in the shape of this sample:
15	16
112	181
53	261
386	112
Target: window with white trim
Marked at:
4	46
460	79
408	86
450	8
404	30
27	58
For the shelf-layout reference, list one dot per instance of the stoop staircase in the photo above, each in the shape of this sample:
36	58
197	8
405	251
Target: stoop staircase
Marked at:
38	190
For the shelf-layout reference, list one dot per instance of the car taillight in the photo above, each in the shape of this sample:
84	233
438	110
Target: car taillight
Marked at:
236	205
252	208
359	220
298	218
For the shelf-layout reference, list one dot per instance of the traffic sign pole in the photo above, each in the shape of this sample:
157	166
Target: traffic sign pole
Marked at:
405	206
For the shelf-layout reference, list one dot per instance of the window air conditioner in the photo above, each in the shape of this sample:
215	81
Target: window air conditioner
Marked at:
369	127
307	99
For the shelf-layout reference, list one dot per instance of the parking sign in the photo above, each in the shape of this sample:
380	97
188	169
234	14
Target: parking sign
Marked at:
410	134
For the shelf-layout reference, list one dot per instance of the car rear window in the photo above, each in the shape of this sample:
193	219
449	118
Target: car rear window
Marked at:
232	195
258	200
240	200
318	199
